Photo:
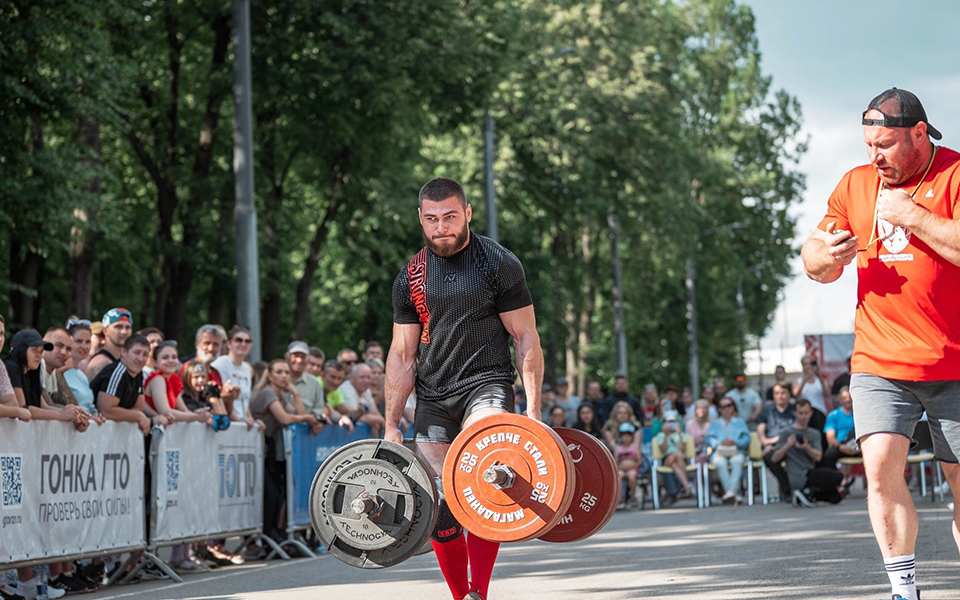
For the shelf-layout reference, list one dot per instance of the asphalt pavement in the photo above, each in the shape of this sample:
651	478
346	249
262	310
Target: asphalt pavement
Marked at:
718	553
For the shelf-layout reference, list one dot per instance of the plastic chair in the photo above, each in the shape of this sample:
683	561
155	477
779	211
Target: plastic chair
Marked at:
755	458
690	453
922	459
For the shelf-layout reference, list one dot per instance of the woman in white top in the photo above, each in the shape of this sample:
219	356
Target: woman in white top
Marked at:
812	386
233	367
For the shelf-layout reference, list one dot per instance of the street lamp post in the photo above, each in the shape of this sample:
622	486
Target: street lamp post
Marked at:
245	211
489	191
692	324
741	318
691	282
618	295
742	312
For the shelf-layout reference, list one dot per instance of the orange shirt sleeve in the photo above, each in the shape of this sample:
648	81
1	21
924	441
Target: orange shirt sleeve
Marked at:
837	206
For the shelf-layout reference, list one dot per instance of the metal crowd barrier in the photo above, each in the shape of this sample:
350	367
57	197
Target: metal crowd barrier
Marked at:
66	495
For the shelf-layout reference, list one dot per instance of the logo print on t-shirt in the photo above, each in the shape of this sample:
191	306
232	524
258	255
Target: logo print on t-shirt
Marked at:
895	239
449	277
929	193
417	280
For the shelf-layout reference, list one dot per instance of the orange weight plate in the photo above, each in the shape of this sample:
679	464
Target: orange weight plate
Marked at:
508	478
596	491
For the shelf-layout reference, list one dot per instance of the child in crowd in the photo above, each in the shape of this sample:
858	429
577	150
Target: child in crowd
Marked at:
672	443
628	462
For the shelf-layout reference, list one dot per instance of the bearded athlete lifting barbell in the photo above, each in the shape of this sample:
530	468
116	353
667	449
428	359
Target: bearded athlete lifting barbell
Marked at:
482	475
457	305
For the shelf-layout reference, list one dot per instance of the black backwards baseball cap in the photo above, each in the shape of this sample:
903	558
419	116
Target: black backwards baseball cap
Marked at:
909	114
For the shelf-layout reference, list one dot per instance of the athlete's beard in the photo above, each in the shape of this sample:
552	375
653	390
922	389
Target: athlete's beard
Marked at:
450	248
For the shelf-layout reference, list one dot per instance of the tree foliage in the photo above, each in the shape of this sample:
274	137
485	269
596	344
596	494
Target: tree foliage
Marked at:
116	178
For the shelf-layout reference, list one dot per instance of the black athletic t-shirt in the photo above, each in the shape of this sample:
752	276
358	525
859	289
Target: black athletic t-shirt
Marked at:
117	381
458	301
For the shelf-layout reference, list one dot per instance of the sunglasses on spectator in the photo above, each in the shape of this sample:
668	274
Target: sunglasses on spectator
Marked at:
73	322
241	340
726	406
348	362
166	343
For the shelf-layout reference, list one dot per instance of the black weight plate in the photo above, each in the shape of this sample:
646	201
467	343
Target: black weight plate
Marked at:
424	510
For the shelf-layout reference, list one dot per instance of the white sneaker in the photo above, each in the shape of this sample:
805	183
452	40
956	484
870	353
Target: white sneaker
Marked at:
799	499
28	589
729	495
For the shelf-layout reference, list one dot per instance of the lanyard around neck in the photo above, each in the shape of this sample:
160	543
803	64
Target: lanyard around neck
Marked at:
880	187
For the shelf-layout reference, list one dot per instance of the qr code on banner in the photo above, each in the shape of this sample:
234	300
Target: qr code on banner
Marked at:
12	481
173	471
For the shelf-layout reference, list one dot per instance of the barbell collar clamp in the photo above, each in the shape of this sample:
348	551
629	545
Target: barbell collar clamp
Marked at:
499	476
365	504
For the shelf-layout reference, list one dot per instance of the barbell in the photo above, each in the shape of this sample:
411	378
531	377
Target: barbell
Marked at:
506	478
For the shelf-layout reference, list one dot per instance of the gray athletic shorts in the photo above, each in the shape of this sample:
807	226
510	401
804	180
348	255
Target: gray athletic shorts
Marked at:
883	405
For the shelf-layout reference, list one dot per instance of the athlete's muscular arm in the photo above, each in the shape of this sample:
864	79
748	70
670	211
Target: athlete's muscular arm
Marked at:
522	325
401	374
826	253
942	235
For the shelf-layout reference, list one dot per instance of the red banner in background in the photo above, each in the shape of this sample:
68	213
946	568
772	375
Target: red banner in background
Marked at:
831	351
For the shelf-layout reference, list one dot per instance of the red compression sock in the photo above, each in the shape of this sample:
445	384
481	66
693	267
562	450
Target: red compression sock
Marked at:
452	557
483	553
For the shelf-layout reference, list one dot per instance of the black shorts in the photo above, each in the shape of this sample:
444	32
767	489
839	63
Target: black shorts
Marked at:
439	421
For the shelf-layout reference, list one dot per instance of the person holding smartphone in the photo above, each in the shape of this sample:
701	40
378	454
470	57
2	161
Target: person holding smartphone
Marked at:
799	445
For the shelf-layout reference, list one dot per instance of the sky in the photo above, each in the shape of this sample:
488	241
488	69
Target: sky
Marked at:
834	57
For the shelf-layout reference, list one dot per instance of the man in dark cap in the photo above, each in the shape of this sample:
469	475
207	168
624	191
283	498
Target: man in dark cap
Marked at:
898	217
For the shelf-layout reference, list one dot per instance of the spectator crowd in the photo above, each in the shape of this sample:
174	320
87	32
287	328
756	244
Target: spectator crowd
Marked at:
86	372
800	429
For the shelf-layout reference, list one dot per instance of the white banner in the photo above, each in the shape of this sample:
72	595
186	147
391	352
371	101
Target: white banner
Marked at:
206	482
66	493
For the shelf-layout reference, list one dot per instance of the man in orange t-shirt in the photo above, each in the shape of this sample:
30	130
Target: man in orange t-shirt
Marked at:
898	216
